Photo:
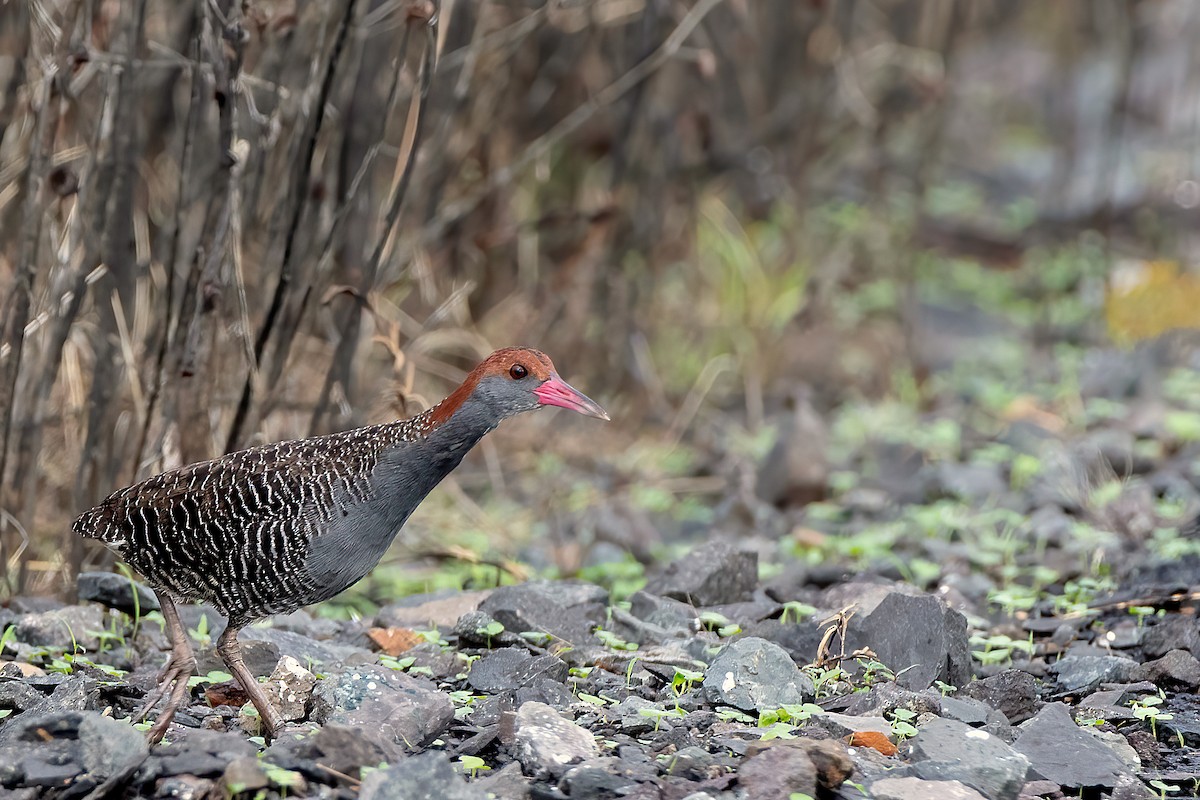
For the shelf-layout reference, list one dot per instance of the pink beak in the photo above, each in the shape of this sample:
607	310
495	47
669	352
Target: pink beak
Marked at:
557	392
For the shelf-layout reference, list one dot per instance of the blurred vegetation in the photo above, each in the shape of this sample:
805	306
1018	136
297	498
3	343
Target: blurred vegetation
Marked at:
224	223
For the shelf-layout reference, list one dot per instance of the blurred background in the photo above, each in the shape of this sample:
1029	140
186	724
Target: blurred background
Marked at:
840	270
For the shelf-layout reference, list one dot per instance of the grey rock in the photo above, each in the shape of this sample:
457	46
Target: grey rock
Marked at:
1012	692
405	710
334	747
1174	633
842	725
1078	674
918	636
973	482
753	674
949	750
51	747
800	639
436	610
917	789
711	574
777	772
975	713
599	778
428	776
18	697
1178	668
511	668
245	775
665	612
261	658
1059	751
507	782
290	689
309	652
108	746
117	591
568	610
56	628
547	743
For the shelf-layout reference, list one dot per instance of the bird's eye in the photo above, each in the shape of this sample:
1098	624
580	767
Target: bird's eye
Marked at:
516	371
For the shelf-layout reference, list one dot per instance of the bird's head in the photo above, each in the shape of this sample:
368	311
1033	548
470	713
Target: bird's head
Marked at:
514	380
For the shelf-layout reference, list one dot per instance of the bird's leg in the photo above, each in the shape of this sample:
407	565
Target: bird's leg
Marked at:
180	667
231	653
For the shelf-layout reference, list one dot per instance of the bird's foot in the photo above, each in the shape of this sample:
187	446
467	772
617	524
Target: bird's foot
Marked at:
174	677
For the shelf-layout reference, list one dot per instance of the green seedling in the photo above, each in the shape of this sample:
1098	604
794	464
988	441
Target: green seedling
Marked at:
1147	709
902	726
658	714
797	611
200	632
493	628
472	765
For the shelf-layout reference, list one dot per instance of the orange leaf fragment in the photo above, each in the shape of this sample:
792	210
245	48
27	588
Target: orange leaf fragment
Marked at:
393	641
873	739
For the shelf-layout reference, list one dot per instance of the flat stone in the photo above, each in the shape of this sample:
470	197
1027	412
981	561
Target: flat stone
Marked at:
117	591
63	627
334	747
754	674
428	776
1175	669
1059	751
1084	674
547	743
245	775
777	772
711	574
567	610
918	636
946	750
308	651
511	668
917	789
1012	692
430	611
830	758
975	713
1174	633
405	710
665	612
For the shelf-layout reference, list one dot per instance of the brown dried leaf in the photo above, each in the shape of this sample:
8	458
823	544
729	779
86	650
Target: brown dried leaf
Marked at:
393	641
874	740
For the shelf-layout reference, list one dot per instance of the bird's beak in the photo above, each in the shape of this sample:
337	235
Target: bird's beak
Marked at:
557	392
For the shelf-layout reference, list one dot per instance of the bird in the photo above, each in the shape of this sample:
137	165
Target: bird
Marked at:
280	526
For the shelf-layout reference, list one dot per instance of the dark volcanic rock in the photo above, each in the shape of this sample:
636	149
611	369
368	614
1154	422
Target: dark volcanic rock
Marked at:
600	778
1058	750
1079	674
62	627
568	610
428	776
918	636
777	772
665	612
1013	693
117	591
510	669
545	743
261	658
333	747
917	789
712	574
1178	668
80	747
407	711
947	750
753	674
1175	633
308	651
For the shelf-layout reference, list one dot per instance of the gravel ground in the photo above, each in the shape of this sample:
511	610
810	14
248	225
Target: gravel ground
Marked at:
1009	617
